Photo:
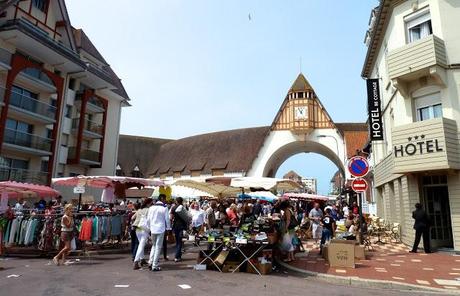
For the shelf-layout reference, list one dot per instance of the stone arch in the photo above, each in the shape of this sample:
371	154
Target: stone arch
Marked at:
293	148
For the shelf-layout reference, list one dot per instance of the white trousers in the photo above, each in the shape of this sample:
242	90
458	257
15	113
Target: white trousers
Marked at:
157	246
142	237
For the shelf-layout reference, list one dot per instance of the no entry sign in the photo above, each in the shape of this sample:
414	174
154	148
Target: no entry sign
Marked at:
359	185
358	166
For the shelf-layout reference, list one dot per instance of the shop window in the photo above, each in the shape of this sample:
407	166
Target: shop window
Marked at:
418	25
428	106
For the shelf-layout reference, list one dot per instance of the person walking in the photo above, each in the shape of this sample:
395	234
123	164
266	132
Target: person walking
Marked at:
422	227
180	221
67	225
316	215
142	231
132	231
327	233
158	221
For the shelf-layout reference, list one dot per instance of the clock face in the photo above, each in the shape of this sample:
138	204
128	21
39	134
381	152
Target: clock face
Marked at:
300	113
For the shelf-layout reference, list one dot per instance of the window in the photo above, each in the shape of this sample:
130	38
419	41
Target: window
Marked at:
428	106
68	111
64	140
40	4
23	98
418	25
49	133
19	126
44	166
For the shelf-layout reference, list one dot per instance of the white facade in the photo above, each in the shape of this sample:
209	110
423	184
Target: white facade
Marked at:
416	59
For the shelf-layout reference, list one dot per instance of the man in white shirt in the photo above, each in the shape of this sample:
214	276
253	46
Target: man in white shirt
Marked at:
158	221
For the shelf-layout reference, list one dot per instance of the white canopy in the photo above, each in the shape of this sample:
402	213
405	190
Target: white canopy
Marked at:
265	183
215	190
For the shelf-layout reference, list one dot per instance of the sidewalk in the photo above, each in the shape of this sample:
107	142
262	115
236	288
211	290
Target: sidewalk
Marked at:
390	262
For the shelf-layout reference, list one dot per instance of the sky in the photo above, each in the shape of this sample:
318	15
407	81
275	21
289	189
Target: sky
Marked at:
197	66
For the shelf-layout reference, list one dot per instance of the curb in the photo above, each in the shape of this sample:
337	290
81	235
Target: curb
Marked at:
365	283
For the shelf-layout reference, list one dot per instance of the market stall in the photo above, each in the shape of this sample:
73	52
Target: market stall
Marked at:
266	196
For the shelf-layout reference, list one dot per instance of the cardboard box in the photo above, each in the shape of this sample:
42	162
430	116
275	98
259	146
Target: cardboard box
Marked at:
360	252
230	266
341	254
264	269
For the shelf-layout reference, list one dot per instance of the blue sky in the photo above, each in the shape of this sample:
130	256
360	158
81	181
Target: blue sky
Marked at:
204	65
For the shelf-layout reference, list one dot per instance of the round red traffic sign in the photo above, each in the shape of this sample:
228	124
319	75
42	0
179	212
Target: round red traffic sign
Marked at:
359	185
358	166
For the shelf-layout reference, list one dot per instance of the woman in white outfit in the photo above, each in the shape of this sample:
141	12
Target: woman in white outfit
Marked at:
142	232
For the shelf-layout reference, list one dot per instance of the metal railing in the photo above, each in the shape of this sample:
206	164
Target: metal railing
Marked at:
19	138
23	175
32	105
92	100
84	154
89	125
38	74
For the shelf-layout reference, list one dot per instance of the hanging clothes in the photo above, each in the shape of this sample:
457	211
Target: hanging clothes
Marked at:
108	195
4	202
116	225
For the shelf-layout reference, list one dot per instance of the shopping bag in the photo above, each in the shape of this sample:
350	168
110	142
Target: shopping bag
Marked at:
73	244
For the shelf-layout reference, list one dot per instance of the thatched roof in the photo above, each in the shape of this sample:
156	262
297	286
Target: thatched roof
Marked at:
231	151
135	150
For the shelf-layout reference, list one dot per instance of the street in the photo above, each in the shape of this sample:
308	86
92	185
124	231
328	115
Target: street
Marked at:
113	275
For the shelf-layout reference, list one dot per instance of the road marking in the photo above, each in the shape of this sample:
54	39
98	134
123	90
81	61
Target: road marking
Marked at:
185	287
454	273
340	271
423	282
428	268
121	286
398	278
399	261
13	276
416	260
395	264
451	288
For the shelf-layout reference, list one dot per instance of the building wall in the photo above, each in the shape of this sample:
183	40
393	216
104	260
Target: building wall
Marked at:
397	180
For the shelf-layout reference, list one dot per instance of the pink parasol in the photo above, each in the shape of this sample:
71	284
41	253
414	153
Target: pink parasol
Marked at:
18	189
103	181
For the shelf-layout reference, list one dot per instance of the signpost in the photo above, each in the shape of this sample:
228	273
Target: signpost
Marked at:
359	185
79	190
359	167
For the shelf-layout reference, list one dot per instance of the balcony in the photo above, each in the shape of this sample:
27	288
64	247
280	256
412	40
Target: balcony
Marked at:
424	57
88	157
5	60
21	175
20	141
36	80
93	104
33	109
91	129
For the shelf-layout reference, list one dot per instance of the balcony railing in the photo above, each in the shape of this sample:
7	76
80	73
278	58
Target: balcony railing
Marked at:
89	125
32	105
37	74
92	100
85	154
416	56
19	138
22	175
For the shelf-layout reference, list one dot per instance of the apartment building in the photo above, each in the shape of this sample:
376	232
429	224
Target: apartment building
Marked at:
414	52
60	100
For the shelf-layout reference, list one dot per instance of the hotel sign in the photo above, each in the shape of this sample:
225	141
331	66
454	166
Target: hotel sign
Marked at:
425	146
374	110
417	145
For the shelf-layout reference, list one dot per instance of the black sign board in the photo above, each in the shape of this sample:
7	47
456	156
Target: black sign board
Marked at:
374	110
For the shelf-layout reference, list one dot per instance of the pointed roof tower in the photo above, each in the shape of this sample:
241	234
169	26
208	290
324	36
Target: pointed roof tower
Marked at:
301	110
300	84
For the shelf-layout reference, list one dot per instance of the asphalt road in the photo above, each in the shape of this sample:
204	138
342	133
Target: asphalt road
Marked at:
99	275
